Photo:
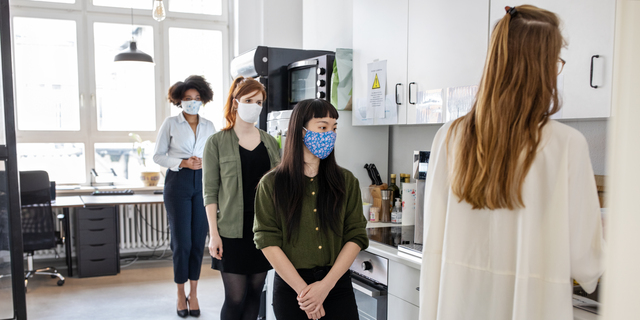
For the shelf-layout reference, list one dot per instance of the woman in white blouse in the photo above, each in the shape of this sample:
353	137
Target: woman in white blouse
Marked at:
511	207
179	148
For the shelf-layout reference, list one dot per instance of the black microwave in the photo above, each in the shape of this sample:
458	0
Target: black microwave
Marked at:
310	79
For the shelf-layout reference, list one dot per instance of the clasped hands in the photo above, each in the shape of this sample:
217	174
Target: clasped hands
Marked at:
312	297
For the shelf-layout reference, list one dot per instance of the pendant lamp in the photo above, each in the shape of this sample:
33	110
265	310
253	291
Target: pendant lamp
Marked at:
132	53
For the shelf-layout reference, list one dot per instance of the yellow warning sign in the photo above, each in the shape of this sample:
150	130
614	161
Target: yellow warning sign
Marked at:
376	83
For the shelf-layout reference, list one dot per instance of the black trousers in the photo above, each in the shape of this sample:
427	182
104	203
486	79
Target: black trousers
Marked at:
340	304
187	222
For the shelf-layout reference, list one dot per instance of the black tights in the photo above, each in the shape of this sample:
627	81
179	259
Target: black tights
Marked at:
242	295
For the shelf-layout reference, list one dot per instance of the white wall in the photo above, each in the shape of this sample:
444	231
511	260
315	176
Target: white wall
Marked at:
273	23
621	294
327	25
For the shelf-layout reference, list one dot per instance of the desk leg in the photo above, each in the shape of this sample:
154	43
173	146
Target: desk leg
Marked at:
67	241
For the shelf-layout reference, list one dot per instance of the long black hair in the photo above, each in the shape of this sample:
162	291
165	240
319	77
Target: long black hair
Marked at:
290	178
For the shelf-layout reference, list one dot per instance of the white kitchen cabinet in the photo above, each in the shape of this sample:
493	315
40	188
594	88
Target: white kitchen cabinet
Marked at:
400	309
447	45
588	28
380	32
404	282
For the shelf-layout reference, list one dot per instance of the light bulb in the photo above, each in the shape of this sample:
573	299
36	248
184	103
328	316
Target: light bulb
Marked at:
159	13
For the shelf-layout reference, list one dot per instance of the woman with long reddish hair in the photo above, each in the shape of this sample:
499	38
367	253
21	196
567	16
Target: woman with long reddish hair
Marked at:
234	160
511	207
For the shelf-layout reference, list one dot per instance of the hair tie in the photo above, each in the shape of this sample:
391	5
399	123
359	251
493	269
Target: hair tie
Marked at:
511	10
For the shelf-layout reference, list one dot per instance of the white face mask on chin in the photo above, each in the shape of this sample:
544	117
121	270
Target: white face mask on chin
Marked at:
249	112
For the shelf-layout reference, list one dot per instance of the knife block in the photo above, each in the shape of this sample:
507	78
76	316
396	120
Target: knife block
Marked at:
376	194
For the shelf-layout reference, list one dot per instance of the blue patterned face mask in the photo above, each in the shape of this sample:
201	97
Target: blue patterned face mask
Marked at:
320	143
191	107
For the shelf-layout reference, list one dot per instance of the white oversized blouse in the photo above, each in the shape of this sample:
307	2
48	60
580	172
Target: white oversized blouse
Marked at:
513	264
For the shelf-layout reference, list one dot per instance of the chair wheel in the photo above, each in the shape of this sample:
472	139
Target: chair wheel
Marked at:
60	282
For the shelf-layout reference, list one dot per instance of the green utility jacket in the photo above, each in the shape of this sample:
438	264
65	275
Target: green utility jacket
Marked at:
222	178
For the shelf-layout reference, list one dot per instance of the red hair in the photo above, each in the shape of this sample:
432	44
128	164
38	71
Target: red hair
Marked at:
241	86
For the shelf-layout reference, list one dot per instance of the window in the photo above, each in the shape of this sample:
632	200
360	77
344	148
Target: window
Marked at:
76	106
59	1
120	162
128	4
63	161
213	7
124	90
205	61
46	60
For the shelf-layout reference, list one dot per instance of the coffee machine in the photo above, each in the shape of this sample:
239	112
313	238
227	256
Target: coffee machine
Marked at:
420	166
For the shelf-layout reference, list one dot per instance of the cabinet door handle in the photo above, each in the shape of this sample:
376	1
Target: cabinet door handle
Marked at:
417	288
397	84
97	260
97	245
96	229
410	83
591	72
96	219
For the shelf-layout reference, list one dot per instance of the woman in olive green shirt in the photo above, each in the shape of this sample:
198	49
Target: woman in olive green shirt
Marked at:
234	161
309	222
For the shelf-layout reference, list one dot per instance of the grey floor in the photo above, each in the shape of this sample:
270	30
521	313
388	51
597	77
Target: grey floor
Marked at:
144	290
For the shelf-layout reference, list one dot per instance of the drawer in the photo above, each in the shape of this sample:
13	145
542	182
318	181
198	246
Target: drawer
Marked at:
98	251
401	309
97	267
96	223
404	282
96	236
94	213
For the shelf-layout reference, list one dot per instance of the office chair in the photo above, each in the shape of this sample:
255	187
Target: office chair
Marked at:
37	221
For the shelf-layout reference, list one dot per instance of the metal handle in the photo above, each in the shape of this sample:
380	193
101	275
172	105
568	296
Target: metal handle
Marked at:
397	84
368	290
81	100
417	288
591	72
410	83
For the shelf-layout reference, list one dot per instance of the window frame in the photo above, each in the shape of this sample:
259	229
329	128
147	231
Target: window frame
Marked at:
85	14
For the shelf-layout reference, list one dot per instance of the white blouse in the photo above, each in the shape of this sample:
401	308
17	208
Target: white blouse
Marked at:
513	264
176	141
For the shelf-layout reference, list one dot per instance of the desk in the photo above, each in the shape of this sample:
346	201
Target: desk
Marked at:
66	202
121	199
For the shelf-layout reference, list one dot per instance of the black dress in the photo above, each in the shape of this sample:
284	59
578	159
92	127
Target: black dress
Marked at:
240	255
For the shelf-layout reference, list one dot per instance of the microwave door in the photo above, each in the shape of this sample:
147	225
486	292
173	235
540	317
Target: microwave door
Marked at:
302	80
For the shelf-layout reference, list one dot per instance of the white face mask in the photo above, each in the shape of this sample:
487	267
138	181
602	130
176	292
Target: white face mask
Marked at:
191	107
249	112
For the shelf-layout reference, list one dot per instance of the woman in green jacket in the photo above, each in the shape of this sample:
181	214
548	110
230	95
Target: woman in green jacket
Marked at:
233	162
309	221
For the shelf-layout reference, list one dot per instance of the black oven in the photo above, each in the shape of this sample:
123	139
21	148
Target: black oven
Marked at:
310	79
369	280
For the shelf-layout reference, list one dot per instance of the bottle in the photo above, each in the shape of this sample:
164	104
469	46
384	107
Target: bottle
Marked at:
396	214
385	213
374	214
393	187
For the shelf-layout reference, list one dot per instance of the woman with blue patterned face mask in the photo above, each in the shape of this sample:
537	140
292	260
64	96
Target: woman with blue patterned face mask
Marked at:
179	148
309	222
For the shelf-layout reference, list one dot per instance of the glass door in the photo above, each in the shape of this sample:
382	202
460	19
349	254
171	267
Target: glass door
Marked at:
12	291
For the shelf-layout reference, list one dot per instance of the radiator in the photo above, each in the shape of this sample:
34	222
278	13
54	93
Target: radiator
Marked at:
143	227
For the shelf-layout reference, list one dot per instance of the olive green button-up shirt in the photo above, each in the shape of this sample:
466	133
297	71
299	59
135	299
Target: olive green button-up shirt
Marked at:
222	178
313	247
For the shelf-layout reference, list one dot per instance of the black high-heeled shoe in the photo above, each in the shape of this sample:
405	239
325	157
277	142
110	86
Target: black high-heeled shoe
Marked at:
184	313
193	312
